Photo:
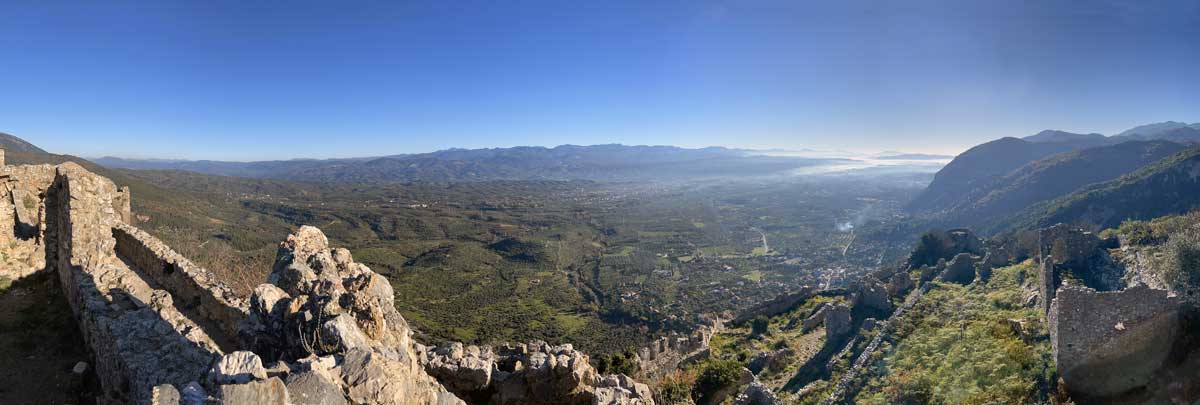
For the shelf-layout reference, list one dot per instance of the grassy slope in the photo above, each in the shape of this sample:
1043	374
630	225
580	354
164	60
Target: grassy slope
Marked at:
956	347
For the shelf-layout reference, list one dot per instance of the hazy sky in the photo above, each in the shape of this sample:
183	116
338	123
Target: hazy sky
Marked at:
255	80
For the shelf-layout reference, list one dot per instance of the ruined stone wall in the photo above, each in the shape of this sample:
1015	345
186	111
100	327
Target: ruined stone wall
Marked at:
776	306
138	338
664	355
192	286
1108	342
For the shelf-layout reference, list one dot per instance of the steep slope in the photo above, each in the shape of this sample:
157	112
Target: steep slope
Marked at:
981	165
1168	186
1055	176
12	143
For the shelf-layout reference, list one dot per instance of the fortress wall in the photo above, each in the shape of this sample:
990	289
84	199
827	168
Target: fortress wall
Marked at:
139	339
192	286
1108	342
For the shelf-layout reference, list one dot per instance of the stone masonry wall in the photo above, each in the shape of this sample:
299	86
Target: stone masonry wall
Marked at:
192	286
138	338
1106	343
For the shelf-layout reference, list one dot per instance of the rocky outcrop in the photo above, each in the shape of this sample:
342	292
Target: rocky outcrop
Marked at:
533	373
321	303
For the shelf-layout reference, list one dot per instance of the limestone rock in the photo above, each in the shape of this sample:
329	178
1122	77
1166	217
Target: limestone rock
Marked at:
271	391
238	368
314	387
756	394
165	394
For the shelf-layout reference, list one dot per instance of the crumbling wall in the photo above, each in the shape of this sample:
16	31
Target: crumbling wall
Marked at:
192	286
138	338
667	353
776	306
1106	343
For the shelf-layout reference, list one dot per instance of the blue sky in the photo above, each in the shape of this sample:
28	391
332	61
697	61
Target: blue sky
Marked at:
240	80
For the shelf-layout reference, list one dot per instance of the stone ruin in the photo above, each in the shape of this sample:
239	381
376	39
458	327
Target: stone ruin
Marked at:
324	330
1106	343
666	354
1107	338
533	373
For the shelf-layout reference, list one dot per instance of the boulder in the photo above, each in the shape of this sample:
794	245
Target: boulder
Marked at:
757	394
237	368
271	391
314	387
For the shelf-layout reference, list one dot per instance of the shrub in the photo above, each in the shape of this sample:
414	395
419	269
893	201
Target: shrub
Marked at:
715	375
675	388
1137	232
617	363
1181	259
758	325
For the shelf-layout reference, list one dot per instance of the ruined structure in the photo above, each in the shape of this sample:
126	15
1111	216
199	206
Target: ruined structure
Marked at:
665	354
165	331
1107	338
533	373
1106	343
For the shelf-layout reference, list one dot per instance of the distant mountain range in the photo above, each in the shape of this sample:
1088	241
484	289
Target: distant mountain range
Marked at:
566	162
1010	181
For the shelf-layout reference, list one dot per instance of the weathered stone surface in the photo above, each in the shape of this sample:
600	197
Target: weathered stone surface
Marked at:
899	283
666	354
165	394
622	390
960	270
238	368
871	295
756	394
322	303
1106	343
314	387
816	319
837	322
271	391
534	373
461	370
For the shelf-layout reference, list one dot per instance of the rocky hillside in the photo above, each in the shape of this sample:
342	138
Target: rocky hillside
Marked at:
1168	186
13	144
984	186
981	165
988	207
